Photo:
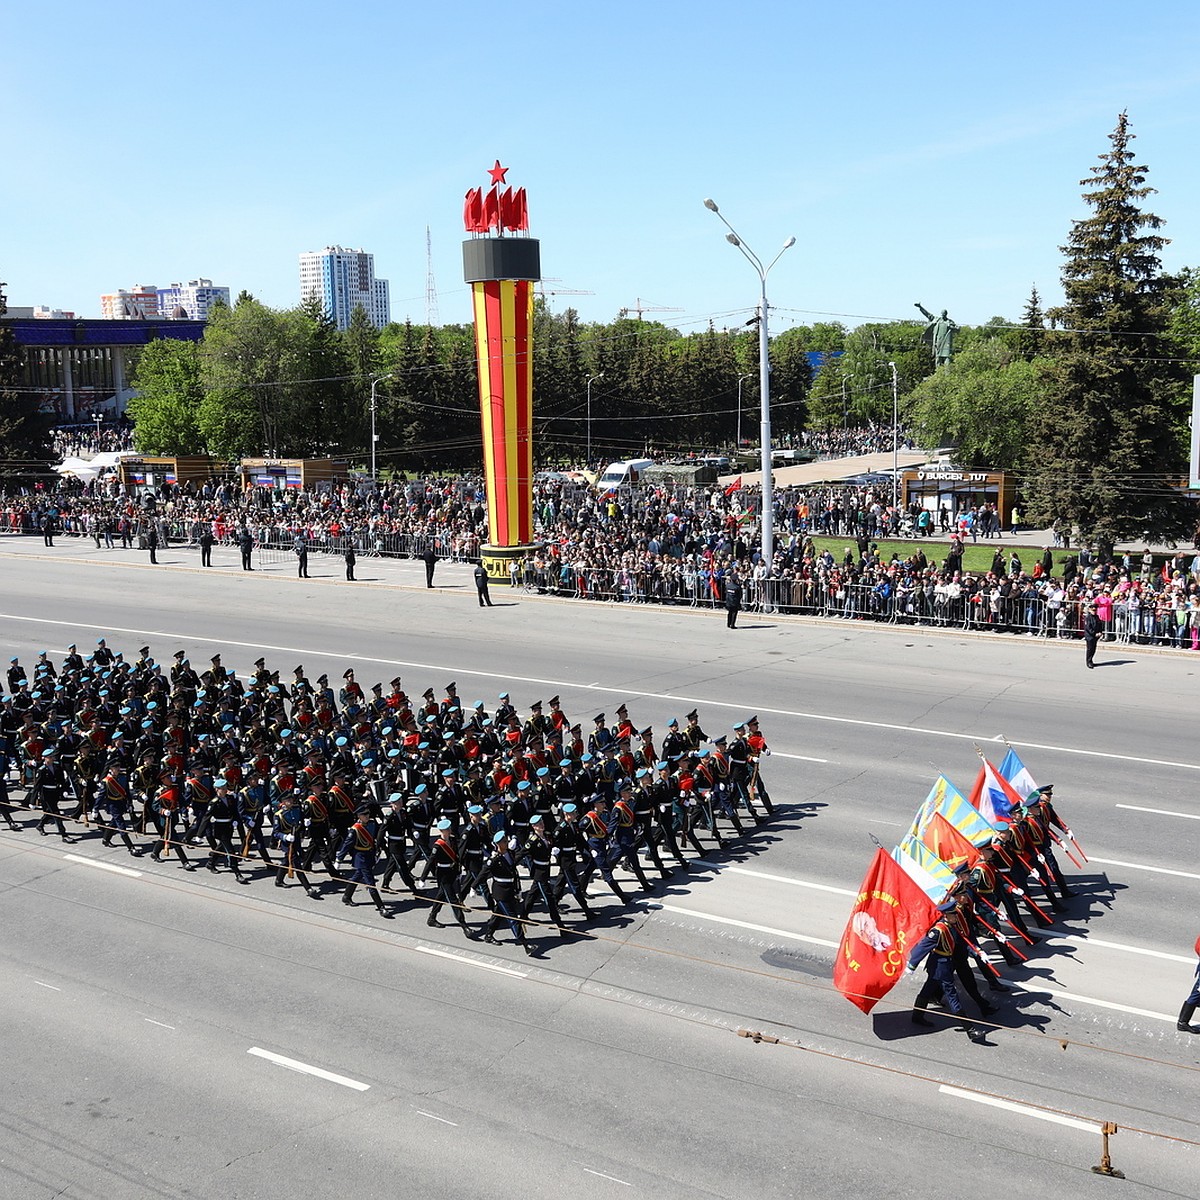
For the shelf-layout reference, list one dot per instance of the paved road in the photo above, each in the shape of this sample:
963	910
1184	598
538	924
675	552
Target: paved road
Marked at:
611	1065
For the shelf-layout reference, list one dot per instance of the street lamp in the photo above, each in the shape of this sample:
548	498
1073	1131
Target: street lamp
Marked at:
895	436
764	376
98	417
739	423
375	381
598	375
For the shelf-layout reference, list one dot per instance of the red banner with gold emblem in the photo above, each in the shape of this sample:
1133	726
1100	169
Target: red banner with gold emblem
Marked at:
889	917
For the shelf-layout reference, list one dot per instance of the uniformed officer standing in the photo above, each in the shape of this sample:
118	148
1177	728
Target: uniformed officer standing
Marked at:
481	586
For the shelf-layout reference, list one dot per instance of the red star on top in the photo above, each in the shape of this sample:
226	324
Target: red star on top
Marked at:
498	172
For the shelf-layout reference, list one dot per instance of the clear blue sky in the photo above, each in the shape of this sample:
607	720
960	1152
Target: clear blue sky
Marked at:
927	151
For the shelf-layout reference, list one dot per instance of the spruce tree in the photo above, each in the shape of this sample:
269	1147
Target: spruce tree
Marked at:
1108	442
1033	327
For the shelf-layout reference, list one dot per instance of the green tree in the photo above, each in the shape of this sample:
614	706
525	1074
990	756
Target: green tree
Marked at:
1032	334
26	449
170	391
1185	317
243	357
982	403
1108	440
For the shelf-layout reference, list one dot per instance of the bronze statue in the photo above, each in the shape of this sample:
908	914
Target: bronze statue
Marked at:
938	335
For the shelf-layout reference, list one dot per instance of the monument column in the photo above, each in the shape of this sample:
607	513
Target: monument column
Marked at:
502	263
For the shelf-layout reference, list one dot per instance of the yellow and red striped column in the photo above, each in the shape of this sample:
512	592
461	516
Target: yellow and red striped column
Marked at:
502	271
503	351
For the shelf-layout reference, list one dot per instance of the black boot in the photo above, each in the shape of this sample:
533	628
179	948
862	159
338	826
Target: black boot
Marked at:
1184	1024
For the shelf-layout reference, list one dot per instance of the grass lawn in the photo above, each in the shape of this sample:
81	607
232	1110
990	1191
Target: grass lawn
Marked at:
977	559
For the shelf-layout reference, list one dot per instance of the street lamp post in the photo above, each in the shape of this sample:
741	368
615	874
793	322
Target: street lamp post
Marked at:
741	379
375	382
764	376
98	417
895	437
598	375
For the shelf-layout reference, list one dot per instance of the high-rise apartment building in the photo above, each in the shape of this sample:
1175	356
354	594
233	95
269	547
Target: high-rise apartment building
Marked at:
194	298
136	304
343	280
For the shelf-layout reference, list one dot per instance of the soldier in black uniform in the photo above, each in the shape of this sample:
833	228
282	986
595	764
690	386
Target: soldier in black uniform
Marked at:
49	787
505	887
538	853
397	830
445	865
222	814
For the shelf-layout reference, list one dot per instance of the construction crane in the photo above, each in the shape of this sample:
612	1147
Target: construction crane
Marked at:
544	292
640	308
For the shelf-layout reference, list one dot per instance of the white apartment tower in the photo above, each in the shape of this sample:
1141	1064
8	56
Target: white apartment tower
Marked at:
342	280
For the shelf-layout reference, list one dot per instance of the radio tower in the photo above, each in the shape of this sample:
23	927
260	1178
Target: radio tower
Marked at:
431	307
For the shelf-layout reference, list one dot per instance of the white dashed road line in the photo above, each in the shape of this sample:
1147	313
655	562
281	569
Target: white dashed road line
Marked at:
782	933
1023	1109
1161	812
1112	862
293	1064
103	866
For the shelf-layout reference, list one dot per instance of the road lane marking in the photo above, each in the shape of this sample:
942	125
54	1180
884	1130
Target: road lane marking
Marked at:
1034	988
601	1175
1162	812
798	758
1023	1109
103	866
47	985
691	701
293	1064
472	962
434	1117
703	916
820	887
152	1021
1112	862
1078	937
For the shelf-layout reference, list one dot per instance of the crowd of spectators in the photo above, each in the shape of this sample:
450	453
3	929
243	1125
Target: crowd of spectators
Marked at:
675	543
847	443
88	438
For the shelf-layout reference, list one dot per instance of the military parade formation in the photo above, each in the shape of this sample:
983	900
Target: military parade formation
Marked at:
475	811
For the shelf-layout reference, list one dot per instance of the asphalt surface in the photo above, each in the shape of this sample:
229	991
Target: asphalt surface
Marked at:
137	1007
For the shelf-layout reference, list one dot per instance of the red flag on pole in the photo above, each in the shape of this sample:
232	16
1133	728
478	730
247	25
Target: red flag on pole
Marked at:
947	843
473	211
889	917
491	209
735	486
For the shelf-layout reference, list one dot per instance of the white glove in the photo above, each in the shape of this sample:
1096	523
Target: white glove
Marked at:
1001	939
1018	892
289	837
766	752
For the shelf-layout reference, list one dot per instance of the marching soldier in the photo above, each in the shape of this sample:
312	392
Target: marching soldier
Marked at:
446	868
361	845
